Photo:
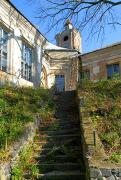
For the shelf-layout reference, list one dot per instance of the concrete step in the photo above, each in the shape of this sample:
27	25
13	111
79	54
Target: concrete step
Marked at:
46	167
59	132
57	150
59	154
65	119
56	139
60	126
64	95
56	159
58	136
49	144
60	175
41	150
71	107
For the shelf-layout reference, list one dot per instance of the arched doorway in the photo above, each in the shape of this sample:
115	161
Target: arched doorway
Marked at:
44	77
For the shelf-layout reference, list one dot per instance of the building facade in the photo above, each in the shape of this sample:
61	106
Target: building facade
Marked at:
103	63
20	47
27	58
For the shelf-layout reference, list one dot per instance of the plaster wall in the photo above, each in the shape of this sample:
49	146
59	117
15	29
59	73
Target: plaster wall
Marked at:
68	68
20	30
74	40
96	62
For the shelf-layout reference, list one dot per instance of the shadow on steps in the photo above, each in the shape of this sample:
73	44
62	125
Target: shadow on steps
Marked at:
61	142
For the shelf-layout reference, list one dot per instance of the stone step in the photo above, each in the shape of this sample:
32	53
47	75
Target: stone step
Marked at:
46	156
54	137
60	175
59	154
40	150
56	159
66	94
60	126
71	108
57	150
66	107
59	132
46	167
65	119
49	144
68	117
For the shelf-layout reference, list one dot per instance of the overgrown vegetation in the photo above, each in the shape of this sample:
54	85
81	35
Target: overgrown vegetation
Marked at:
27	164
102	102
18	107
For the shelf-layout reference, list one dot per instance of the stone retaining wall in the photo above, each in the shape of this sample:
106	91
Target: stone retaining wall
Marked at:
5	169
97	149
105	174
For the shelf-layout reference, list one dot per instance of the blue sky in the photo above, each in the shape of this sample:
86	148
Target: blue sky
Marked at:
30	11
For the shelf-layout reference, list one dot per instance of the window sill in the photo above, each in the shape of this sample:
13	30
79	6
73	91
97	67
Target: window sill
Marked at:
26	80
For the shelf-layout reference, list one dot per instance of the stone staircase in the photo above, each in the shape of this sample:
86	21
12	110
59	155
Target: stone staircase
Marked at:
60	153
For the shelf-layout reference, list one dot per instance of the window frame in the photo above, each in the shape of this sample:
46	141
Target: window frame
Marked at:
4	50
26	62
113	71
82	74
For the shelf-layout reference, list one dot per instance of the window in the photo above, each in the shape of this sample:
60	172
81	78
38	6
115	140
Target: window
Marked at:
26	63
112	69
3	49
85	74
65	38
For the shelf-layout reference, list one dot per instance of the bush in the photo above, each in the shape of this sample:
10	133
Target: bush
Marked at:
102	101
19	107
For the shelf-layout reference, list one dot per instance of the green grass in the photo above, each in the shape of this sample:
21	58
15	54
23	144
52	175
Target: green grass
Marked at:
26	163
18	107
102	103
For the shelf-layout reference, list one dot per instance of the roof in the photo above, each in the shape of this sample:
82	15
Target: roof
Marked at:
61	53
8	1
108	46
56	52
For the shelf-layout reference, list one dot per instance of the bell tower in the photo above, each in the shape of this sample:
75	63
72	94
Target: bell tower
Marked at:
69	38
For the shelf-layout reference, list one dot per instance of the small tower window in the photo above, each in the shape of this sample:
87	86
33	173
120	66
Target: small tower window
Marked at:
65	38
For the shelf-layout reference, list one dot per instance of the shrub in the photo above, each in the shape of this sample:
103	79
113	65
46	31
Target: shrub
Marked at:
18	107
102	103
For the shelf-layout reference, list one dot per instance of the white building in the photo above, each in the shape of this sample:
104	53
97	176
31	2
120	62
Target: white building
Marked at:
28	59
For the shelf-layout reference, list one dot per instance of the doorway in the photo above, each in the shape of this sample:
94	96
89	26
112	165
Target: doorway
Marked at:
60	82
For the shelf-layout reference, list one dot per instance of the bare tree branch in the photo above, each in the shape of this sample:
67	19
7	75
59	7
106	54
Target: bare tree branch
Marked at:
92	14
